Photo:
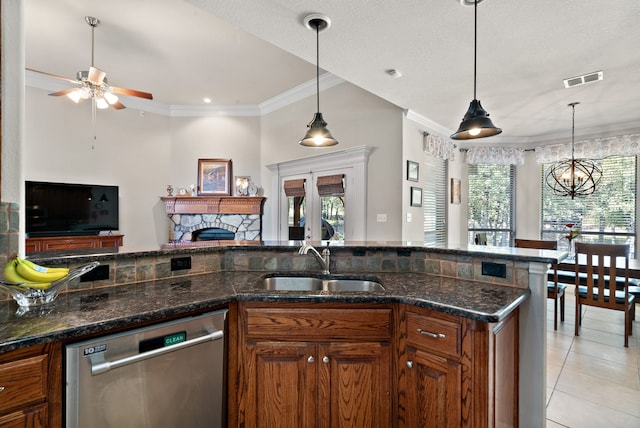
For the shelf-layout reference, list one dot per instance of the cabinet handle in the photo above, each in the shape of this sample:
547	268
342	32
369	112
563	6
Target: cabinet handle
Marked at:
410	364
310	359
434	335
325	359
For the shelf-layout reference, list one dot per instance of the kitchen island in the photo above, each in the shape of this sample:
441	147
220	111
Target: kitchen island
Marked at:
448	281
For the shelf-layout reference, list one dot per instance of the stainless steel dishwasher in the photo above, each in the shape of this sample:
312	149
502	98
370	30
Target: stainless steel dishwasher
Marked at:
165	375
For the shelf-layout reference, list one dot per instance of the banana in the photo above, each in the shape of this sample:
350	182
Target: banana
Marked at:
39	268
11	274
35	273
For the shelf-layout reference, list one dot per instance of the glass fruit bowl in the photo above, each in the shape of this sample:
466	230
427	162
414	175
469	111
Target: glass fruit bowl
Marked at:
27	296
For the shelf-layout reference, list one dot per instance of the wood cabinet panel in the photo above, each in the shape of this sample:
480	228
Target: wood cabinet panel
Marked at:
339	375
32	381
58	243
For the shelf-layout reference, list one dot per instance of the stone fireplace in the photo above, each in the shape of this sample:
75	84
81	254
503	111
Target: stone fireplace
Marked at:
200	218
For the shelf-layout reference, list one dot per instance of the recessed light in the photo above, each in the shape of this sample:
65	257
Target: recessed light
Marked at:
207	100
393	73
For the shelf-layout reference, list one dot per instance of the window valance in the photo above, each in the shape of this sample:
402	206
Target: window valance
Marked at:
495	156
438	146
599	148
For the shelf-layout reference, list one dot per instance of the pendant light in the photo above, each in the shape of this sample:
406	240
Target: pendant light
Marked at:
476	122
318	135
574	177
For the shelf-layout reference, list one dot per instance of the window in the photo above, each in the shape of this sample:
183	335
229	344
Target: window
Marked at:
491	203
434	201
606	216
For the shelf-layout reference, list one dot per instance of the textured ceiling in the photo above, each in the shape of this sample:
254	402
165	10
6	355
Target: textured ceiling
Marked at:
246	52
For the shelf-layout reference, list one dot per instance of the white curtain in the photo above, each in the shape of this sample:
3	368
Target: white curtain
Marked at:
495	156
438	146
599	148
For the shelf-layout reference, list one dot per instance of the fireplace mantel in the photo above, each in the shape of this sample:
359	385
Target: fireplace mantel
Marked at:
213	204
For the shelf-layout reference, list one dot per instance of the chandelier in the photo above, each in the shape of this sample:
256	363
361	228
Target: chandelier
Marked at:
574	177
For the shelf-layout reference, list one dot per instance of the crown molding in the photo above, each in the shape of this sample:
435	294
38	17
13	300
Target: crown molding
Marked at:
304	90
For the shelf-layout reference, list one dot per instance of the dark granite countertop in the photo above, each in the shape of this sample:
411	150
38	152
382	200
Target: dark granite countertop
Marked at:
88	313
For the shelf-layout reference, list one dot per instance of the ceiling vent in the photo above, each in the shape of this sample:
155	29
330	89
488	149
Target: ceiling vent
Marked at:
584	79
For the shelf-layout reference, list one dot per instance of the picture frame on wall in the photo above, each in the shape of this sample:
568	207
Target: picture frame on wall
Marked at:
413	171
455	191
214	177
416	196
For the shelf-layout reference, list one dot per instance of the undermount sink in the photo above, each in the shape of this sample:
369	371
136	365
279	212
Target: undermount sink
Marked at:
332	284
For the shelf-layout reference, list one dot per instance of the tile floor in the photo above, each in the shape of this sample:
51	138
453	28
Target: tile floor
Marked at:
592	379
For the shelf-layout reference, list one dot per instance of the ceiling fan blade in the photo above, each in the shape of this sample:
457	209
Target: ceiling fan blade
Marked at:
130	92
96	75
63	92
118	105
55	76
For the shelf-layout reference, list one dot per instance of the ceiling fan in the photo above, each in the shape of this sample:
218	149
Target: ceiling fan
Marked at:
92	84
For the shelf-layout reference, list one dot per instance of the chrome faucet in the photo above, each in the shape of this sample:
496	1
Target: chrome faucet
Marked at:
324	258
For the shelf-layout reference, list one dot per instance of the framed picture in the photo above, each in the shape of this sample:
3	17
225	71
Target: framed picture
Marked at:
416	196
242	185
413	171
214	177
455	191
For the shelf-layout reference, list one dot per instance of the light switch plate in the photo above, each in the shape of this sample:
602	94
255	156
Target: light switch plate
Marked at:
381	218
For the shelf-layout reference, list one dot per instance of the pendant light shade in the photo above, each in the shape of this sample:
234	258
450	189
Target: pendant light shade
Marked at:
574	177
476	122
318	134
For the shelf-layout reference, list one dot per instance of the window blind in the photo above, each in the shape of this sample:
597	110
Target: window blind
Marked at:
331	185
294	187
491	203
434	200
607	216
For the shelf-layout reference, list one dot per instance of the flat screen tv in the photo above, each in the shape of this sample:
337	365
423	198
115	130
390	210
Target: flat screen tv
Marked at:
58	209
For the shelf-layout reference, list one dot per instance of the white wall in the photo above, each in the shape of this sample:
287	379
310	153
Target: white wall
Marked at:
355	118
131	151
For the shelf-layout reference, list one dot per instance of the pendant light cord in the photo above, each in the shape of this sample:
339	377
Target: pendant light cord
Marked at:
318	66
475	44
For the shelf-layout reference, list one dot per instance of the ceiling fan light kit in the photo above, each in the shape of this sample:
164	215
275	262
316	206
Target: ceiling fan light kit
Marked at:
93	83
476	122
318	135
574	177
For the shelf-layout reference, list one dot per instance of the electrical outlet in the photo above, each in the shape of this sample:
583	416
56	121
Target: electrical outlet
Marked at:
498	270
180	263
409	217
381	218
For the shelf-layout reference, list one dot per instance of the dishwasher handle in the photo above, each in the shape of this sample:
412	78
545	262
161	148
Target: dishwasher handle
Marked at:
99	365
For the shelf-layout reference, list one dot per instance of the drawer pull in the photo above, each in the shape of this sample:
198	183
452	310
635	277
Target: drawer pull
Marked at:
310	359
1	388
434	335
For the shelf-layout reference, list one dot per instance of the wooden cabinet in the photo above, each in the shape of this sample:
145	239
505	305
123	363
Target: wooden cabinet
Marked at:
72	242
31	387
314	365
456	372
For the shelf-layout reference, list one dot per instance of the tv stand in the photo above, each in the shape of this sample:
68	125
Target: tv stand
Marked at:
72	242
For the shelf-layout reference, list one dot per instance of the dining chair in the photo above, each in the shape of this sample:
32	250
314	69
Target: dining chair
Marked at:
555	291
602	260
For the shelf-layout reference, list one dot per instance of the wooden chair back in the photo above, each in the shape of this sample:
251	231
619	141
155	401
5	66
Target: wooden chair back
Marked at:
602	260
536	244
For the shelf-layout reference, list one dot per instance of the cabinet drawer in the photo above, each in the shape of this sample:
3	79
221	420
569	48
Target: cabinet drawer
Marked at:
434	333
317	324
24	381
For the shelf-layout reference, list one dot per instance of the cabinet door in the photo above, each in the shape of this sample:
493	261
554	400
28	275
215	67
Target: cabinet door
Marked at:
354	385
33	417
280	384
433	391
